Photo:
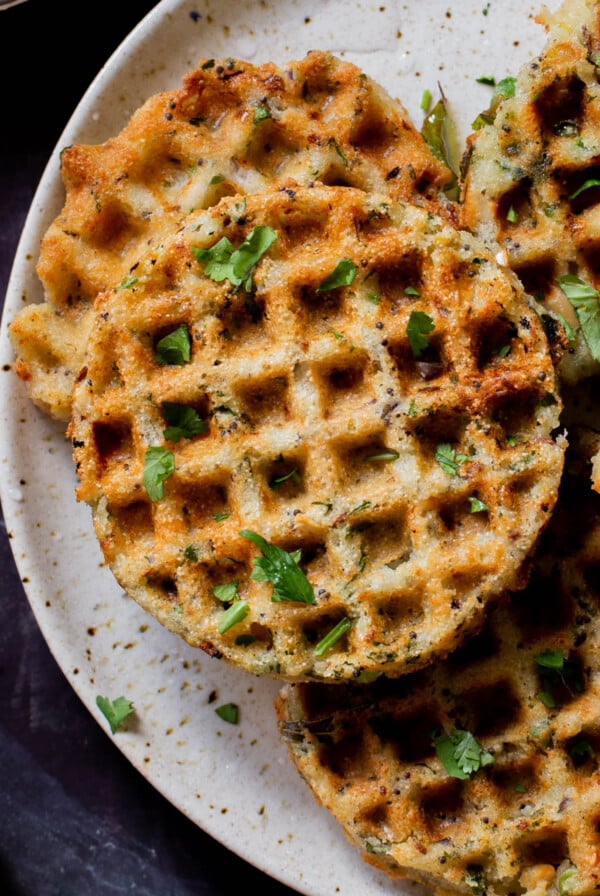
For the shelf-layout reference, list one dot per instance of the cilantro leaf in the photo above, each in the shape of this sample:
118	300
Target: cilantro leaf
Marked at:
174	348
159	464
226	592
261	113
238	611
342	275
586	185
184	420
502	90
333	636
418	326
584	299
448	459
476	505
224	262
461	754
114	711
281	568
229	712
551	659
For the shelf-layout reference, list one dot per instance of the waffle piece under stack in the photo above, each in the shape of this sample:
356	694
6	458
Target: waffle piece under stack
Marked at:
478	775
330	416
531	179
231	127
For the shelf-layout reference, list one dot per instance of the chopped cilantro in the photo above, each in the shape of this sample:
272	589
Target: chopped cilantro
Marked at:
281	568
586	185
584	299
411	291
115	711
159	464
223	262
216	179
128	282
486	79
477	506
226	593
333	636
418	326
233	615
190	552
342	275
426	100
551	659
174	348
261	113
229	712
184	420
279	480
219	517
502	90
460	754
434	131
512	215
383	456
448	459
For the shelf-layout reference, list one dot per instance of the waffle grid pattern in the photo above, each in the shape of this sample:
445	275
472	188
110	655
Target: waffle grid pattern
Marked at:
532	818
231	128
524	173
304	391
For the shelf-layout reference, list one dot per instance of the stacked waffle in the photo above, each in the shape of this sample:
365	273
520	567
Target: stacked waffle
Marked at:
318	423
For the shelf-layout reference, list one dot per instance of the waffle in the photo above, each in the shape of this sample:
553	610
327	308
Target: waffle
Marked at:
376	401
520	702
529	173
230	128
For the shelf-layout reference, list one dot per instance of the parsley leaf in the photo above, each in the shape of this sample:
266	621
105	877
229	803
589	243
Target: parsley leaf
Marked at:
448	459
419	324
584	299
184	421
115	711
174	348
281	568
586	185
159	464
224	262
460	754
342	275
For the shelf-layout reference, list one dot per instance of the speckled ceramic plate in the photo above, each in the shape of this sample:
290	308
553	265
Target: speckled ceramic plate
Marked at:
235	782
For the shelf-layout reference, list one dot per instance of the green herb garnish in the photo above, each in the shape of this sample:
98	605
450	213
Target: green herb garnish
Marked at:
175	347
281	568
586	185
477	506
159	464
551	659
261	113
383	456
229	712
584	299
128	282
418	326
115	711
502	90
448	459
226	593
342	275
460	754
235	613
223	262
333	636
190	552
184	421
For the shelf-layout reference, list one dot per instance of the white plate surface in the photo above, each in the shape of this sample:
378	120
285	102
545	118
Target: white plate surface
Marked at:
235	782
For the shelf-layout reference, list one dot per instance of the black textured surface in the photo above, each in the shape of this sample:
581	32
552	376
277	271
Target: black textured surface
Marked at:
76	819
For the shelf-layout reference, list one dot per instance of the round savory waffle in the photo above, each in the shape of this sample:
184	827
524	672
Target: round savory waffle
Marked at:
231	127
479	775
530	179
329	413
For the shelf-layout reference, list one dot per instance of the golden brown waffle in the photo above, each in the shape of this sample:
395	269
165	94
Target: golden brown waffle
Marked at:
230	128
413	482
530	178
525	815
